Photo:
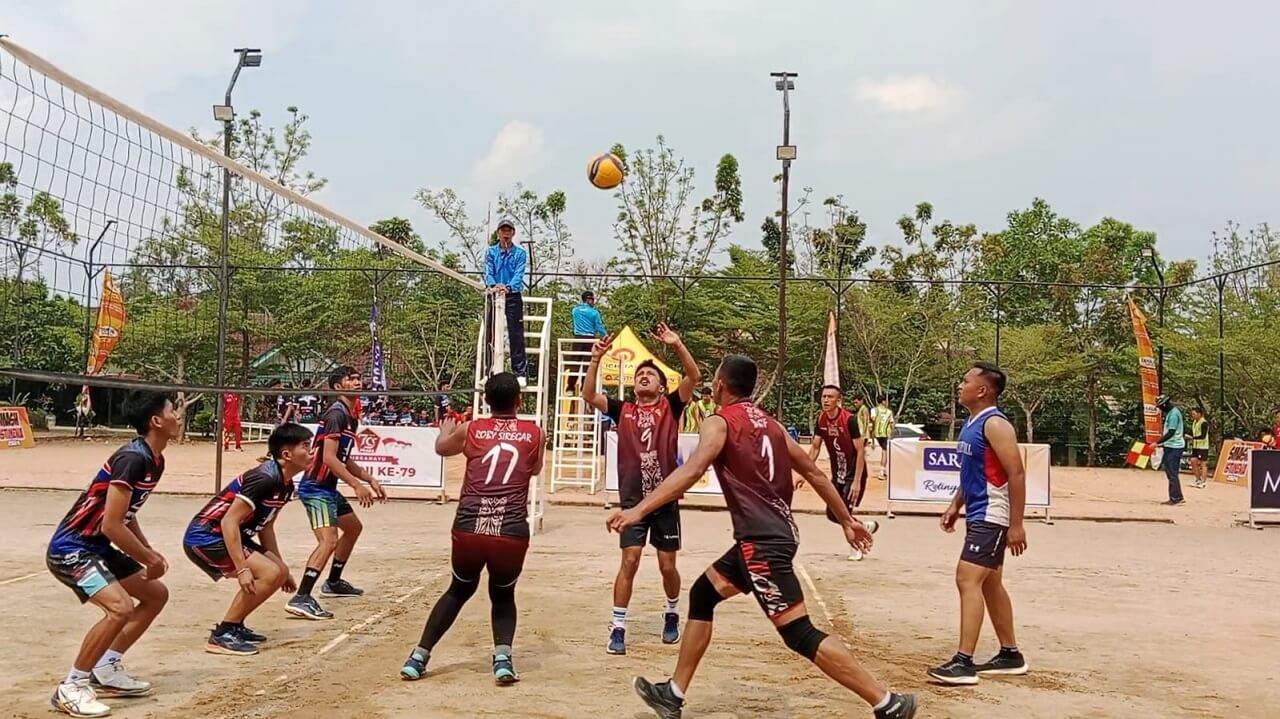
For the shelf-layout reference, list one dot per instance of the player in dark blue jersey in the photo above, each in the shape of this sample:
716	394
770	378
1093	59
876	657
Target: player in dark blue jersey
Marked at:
220	538
101	553
334	522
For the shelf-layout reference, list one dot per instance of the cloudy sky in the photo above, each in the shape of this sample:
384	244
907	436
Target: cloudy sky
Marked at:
1159	113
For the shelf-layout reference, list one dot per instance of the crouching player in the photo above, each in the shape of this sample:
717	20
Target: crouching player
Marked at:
220	538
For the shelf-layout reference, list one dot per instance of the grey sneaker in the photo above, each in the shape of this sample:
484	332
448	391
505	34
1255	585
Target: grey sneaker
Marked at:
901	706
659	698
1005	662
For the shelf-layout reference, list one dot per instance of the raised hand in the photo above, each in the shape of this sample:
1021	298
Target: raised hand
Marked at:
665	334
601	347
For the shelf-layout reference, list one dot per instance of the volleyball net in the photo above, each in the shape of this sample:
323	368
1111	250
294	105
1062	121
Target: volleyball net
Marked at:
113	263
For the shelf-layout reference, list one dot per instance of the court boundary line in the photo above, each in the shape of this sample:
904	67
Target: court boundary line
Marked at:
817	596
15	580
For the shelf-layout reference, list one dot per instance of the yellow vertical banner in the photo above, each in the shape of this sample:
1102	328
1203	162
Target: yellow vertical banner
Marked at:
1146	372
111	319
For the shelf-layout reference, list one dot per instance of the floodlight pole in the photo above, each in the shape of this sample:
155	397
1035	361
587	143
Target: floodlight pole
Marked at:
786	153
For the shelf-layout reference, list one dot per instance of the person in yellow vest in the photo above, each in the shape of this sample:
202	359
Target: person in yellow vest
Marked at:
696	412
1198	440
883	423
863	413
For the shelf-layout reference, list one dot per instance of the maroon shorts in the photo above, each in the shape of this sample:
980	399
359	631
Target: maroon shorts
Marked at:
503	556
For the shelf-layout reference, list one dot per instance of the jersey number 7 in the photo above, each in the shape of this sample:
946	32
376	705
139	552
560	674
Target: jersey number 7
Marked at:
491	458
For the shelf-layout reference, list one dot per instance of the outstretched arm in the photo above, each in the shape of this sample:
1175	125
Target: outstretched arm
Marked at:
589	391
710	442
691	372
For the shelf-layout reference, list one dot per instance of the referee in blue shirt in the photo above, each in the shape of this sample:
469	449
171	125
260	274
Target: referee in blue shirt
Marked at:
588	324
504	267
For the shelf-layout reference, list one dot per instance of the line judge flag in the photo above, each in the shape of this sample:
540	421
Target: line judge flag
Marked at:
1146	373
831	363
111	319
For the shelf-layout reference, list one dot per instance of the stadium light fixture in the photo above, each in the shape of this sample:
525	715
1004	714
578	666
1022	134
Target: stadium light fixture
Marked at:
1148	252
224	113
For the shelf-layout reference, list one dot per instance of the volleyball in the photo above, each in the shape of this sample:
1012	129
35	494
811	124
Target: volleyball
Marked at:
605	171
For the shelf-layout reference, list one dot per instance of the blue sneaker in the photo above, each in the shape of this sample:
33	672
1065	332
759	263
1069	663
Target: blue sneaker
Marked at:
504	672
229	642
671	628
617	641
249	635
415	667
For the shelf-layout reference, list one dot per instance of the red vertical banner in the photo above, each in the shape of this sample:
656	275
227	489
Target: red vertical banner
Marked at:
1146	372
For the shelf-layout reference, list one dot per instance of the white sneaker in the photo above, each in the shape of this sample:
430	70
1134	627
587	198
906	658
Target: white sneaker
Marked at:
855	555
78	699
872	526
522	381
112	679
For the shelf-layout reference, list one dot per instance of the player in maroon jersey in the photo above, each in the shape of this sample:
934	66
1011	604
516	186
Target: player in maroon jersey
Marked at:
846	447
491	528
753	458
648	431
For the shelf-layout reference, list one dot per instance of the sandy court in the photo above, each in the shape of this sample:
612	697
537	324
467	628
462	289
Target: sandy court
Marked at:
1117	619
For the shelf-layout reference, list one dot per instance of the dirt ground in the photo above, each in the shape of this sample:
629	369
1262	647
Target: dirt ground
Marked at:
1116	618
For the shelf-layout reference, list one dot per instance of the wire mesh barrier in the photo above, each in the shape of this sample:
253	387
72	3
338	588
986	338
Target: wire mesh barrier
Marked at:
266	290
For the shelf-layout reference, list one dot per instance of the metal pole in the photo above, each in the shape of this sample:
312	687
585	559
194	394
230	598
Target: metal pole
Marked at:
999	320
1221	282
224	284
784	84
90	275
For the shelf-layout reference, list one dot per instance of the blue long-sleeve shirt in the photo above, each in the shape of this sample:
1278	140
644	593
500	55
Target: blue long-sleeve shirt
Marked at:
588	322
505	267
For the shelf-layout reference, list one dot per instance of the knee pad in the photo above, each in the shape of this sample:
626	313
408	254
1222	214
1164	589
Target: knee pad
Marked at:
703	599
802	637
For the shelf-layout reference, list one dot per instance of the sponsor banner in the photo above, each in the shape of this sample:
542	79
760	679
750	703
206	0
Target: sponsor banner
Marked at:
1233	461
831	361
930	472
707	484
110	326
1264	480
399	456
15	428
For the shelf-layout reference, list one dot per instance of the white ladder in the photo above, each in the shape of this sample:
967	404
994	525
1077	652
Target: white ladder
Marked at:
575	453
537	339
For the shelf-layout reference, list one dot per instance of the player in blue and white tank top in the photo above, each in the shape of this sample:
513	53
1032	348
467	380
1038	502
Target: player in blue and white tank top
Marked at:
993	495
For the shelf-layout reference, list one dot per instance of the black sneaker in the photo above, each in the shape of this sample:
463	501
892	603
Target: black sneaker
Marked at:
249	635
659	697
955	671
1006	663
901	706
340	588
306	606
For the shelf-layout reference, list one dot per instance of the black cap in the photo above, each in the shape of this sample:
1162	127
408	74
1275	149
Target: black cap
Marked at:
506	222
588	295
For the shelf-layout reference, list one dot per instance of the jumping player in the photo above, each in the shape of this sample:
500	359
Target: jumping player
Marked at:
491	528
993	494
648	431
753	458
220	538
100	552
840	430
334	522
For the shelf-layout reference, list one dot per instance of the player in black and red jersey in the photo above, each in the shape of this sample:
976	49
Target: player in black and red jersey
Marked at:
753	458
648	432
220	538
491	528
333	521
100	552
838	429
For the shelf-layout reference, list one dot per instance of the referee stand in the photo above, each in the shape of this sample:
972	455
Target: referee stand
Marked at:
491	358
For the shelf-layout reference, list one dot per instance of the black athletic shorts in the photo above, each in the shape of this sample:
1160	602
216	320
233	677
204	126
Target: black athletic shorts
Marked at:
851	501
883	442
214	559
88	571
1200	454
661	528
502	556
763	569
984	544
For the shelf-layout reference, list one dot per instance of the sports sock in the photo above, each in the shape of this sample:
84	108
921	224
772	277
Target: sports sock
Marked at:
888	697
1009	650
335	570
963	658
619	618
673	605
224	627
675	688
75	675
110	656
502	650
309	577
